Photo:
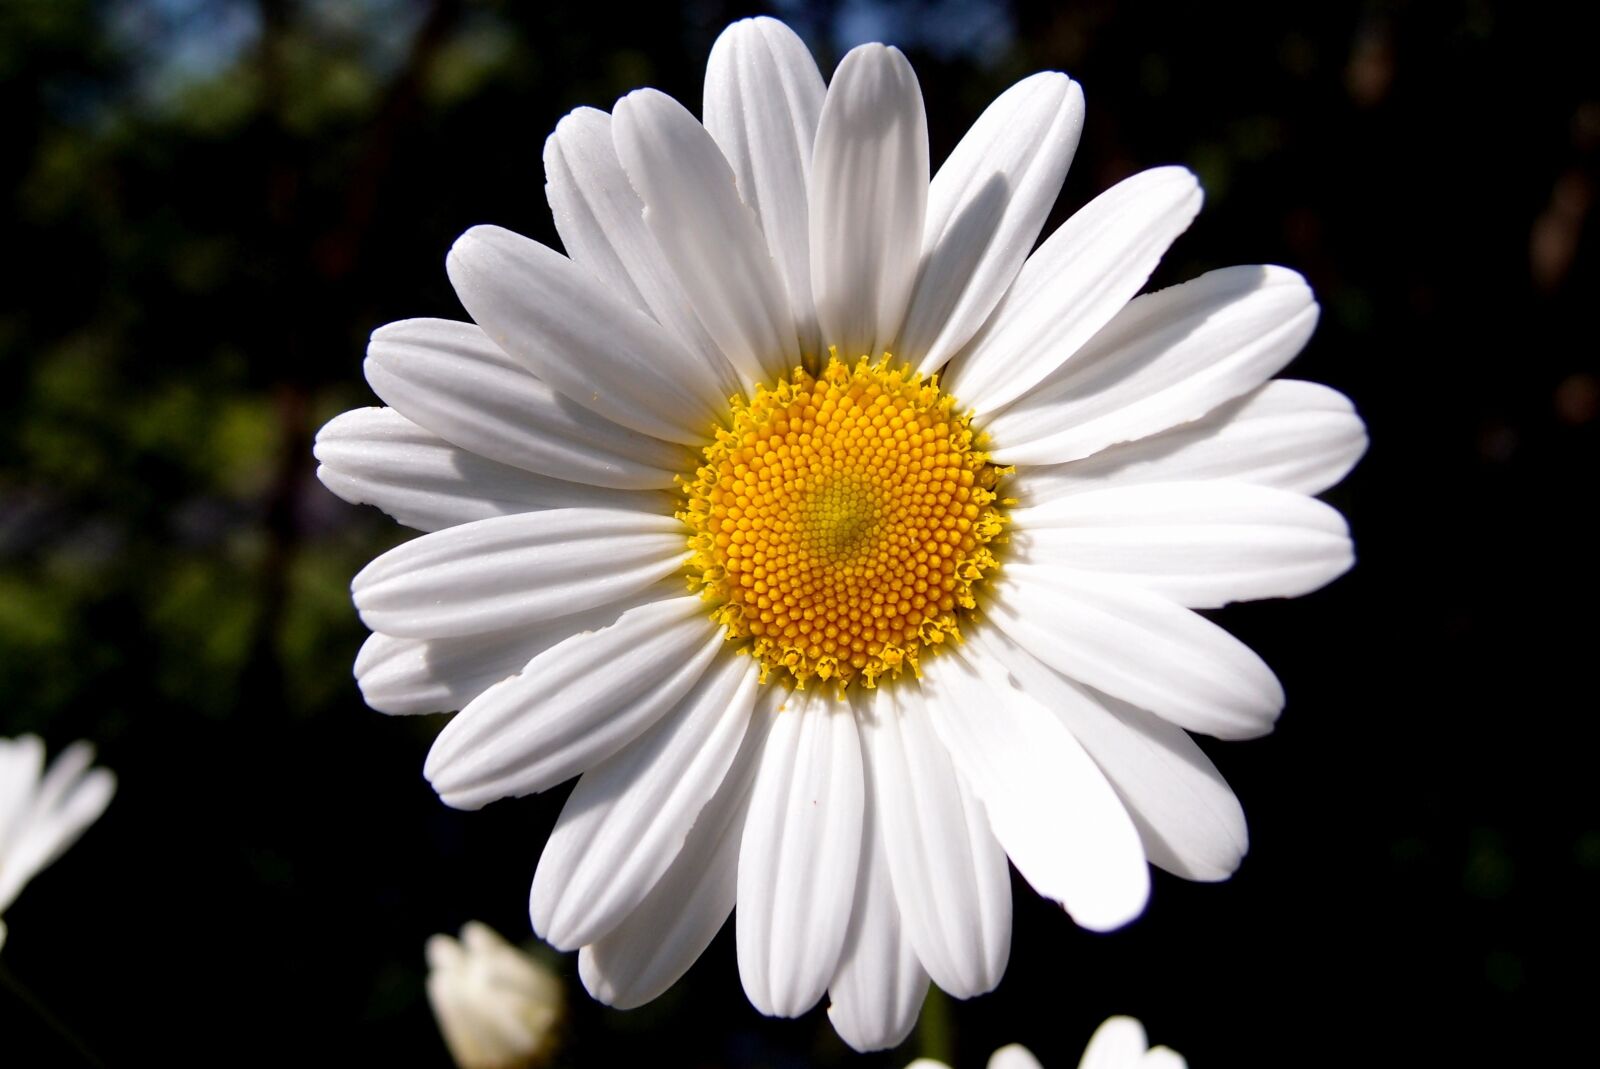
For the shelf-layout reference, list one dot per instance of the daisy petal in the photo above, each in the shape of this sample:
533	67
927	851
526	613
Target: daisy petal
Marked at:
21	764
708	234
61	777
869	193
572	706
1200	544
1117	1044
763	95
1287	434
507	571
1188	818
1014	1056
950	875
799	854
875	996
403	676
985	208
1051	808
68	798
1162	1058
375	456
601	222
573	333
1169	357
1139	647
451	379
1073	285
647	953
628	817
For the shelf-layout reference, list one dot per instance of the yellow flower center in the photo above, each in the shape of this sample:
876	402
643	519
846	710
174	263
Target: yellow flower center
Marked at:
843	523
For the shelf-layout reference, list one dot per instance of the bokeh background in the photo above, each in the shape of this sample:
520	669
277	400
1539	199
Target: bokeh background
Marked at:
209	204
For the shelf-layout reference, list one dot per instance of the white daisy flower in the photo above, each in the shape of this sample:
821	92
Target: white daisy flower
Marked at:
43	812
497	1007
944	506
1119	1043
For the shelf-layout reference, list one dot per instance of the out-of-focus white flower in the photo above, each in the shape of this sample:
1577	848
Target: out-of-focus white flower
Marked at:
1119	1043
497	1007
43	812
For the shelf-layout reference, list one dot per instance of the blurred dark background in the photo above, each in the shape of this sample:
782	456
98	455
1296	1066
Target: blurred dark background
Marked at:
210	203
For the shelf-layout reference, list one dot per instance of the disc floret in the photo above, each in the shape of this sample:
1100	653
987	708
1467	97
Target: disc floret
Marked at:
842	522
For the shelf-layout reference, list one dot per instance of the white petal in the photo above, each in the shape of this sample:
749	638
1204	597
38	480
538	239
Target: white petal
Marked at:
985	208
573	706
950	875
21	766
711	238
53	832
1139	647
627	818
1162	1058
563	325
877	992
375	456
48	812
656	944
869	194
509	571
450	378
1169	357
798	858
402	676
1200	544
1119	1043
1013	1056
1051	808
414	675
1287	434
1188	818
1073	285
763	95
601	222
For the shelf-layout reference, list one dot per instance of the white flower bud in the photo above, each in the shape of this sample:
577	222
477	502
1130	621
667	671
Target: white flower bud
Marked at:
497	1007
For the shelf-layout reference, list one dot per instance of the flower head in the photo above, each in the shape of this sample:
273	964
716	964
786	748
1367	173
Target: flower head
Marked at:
844	547
497	1007
43	812
1119	1043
